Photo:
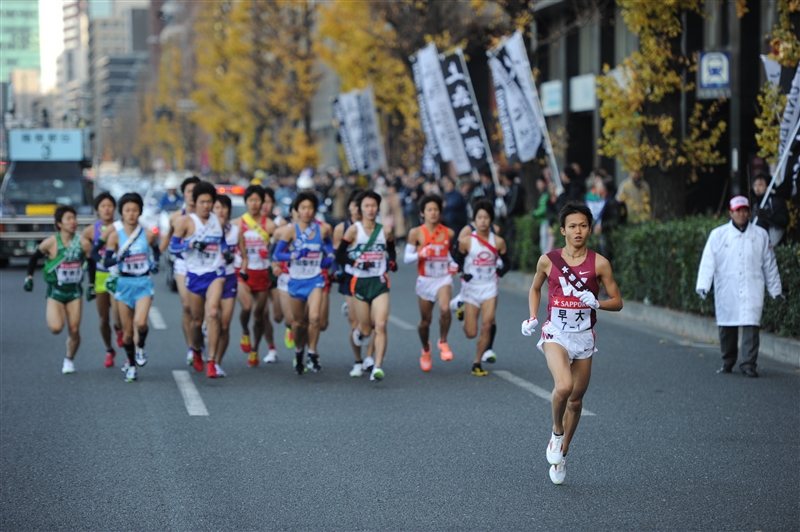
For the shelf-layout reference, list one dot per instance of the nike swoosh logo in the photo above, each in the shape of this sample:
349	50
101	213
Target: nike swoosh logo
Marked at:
583	273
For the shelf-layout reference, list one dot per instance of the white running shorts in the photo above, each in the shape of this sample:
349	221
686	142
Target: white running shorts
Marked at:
283	282
179	267
475	294
579	345
428	287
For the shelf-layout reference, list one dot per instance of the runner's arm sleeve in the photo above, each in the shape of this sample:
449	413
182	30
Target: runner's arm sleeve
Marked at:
506	264
34	259
282	254
96	250
110	259
410	254
391	250
342	256
178	245
91	266
156	252
327	245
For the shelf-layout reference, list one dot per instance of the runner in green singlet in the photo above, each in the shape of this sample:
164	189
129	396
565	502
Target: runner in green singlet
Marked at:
64	253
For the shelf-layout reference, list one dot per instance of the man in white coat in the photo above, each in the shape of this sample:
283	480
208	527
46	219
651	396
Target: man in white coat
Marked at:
738	258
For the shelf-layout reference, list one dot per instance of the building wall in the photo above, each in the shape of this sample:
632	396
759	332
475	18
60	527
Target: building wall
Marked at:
19	36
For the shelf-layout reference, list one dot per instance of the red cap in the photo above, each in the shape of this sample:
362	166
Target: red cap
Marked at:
739	202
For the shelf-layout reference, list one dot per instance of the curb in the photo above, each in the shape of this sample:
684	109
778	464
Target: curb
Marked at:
786	350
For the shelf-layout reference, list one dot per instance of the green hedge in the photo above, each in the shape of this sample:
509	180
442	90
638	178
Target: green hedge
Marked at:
657	262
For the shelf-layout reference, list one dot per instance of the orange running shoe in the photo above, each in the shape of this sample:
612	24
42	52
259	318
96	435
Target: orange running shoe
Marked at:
425	360
444	351
252	360
197	361
211	370
244	343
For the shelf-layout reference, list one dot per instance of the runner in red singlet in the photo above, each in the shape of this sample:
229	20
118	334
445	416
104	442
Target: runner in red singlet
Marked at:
574	274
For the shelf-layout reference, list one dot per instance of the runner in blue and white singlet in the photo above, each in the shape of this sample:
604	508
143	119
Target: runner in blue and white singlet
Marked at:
199	237
132	246
308	249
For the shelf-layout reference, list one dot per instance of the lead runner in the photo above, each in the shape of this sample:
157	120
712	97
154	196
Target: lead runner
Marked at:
574	274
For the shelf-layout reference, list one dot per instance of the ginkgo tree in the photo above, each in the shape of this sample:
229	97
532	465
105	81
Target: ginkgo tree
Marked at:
641	106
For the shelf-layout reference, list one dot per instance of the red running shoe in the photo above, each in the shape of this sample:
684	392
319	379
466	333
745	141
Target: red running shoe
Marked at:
118	334
197	361
109	362
211	370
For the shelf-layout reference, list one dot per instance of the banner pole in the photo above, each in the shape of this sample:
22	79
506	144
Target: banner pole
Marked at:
537	109
779	167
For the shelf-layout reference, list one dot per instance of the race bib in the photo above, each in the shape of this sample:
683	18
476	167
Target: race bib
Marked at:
69	272
570	314
209	255
436	267
135	264
484	267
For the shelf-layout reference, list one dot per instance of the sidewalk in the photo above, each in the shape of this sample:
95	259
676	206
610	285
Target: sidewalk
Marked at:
692	326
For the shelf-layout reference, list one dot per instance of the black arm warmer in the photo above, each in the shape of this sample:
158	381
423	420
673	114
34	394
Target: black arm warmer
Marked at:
156	252
34	259
96	250
506	264
91	265
458	257
391	250
342	256
110	259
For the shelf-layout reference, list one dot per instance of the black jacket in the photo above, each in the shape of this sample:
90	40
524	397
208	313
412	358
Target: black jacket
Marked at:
774	214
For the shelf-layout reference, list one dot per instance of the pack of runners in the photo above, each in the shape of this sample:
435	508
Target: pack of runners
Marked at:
266	262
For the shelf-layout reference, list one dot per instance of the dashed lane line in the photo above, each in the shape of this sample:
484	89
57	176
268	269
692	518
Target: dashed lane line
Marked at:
529	386
191	397
156	319
402	323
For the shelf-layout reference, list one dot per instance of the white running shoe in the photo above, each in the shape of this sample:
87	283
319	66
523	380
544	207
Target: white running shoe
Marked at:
68	367
489	356
345	309
189	357
220	371
360	340
554	455
356	371
141	356
455	302
130	374
368	364
558	472
271	357
376	375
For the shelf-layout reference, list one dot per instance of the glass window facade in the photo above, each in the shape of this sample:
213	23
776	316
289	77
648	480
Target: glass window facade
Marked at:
19	36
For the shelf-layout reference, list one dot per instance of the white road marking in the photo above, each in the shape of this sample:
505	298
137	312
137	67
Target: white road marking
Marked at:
401	323
156	319
194	403
525	385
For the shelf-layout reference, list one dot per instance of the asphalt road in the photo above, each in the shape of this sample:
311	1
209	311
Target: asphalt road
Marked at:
672	445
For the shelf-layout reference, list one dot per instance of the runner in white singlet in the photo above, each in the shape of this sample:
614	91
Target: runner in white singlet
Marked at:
482	255
199	236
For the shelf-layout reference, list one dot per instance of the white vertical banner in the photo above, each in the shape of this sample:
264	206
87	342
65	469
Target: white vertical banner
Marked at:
374	153
359	131
431	156
440	110
515	101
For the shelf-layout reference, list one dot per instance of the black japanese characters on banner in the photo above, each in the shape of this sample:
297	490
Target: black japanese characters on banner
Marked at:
465	107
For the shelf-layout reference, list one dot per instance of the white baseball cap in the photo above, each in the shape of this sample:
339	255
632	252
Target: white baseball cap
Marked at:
739	202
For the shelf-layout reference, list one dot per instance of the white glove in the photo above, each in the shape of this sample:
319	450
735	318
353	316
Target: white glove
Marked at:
529	325
702	293
588	299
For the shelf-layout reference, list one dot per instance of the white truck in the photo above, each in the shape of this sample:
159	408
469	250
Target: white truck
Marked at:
45	169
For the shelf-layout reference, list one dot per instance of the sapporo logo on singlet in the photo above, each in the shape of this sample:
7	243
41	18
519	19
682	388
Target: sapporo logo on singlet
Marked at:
484	258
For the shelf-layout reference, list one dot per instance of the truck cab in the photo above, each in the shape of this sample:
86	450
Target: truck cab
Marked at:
45	170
